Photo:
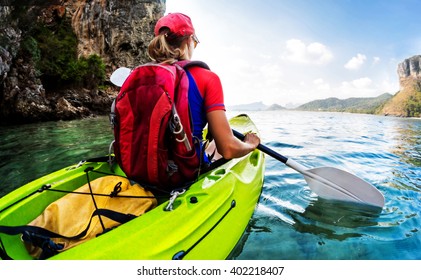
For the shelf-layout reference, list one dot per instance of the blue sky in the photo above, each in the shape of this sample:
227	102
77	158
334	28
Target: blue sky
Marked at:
294	51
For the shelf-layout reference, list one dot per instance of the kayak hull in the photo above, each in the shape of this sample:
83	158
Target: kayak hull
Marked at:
206	222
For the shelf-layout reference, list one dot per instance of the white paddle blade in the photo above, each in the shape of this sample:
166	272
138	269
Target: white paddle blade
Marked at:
120	75
336	184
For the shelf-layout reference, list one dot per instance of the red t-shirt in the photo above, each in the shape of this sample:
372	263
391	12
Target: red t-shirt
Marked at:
210	88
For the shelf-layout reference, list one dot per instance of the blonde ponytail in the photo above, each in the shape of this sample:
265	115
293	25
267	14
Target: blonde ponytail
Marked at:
167	48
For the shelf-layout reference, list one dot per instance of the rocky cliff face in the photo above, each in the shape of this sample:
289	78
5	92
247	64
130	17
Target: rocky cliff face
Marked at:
410	68
117	31
407	102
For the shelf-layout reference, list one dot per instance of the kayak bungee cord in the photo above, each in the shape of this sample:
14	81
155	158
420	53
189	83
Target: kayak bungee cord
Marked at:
93	197
114	193
22	199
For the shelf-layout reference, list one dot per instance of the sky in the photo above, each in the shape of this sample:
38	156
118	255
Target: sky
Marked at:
290	52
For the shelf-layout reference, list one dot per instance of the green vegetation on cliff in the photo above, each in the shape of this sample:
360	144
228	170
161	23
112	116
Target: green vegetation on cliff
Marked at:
413	105
53	48
407	102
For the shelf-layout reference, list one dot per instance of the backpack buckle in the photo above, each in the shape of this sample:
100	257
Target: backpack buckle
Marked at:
177	129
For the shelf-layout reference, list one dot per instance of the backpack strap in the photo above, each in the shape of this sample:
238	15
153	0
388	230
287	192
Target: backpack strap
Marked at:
185	64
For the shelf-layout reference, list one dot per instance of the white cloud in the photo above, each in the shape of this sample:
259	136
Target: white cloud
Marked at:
271	70
265	56
389	86
320	84
319	53
356	62
314	53
376	60
363	87
362	83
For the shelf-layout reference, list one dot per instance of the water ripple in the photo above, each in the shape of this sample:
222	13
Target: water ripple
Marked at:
275	144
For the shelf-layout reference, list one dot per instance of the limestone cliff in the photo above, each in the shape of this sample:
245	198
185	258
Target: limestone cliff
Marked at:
116	31
407	102
119	31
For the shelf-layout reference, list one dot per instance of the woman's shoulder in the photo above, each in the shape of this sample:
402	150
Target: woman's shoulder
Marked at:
203	73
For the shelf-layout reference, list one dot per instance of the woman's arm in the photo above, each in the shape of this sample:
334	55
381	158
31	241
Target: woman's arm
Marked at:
227	144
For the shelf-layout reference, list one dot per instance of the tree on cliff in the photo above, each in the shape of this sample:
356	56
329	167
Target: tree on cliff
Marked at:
58	63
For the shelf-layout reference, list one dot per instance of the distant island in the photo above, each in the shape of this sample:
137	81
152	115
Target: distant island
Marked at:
369	105
256	106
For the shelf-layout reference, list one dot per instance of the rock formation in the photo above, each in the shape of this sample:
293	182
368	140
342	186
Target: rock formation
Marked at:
117	31
407	102
410	68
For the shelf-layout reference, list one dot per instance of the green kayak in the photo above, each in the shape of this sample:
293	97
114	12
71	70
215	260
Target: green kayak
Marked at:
205	222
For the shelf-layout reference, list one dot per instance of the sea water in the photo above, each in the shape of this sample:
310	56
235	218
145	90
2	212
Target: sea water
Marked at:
290	222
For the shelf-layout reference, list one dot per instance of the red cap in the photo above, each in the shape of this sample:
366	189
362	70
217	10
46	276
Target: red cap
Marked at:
178	23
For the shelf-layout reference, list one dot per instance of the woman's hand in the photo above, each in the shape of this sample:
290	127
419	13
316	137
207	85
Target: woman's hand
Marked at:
252	139
227	144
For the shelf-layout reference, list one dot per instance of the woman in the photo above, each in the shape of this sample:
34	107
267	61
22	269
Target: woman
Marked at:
175	40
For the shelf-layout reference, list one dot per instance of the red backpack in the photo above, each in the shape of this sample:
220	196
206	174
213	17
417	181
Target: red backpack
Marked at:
152	126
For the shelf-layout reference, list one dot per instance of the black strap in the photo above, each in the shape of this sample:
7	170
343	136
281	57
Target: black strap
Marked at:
113	215
3	253
99	159
41	237
190	63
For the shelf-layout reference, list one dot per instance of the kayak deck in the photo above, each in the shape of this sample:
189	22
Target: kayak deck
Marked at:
206	221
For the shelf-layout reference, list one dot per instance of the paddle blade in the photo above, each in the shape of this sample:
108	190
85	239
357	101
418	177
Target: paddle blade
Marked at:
329	182
337	184
120	75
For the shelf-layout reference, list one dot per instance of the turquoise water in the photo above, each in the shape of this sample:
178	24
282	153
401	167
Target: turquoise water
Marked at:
290	222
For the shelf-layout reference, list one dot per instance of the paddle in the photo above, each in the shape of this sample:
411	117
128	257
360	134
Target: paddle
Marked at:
330	182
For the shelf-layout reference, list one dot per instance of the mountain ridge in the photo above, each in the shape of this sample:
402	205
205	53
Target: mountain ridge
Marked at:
365	105
353	105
